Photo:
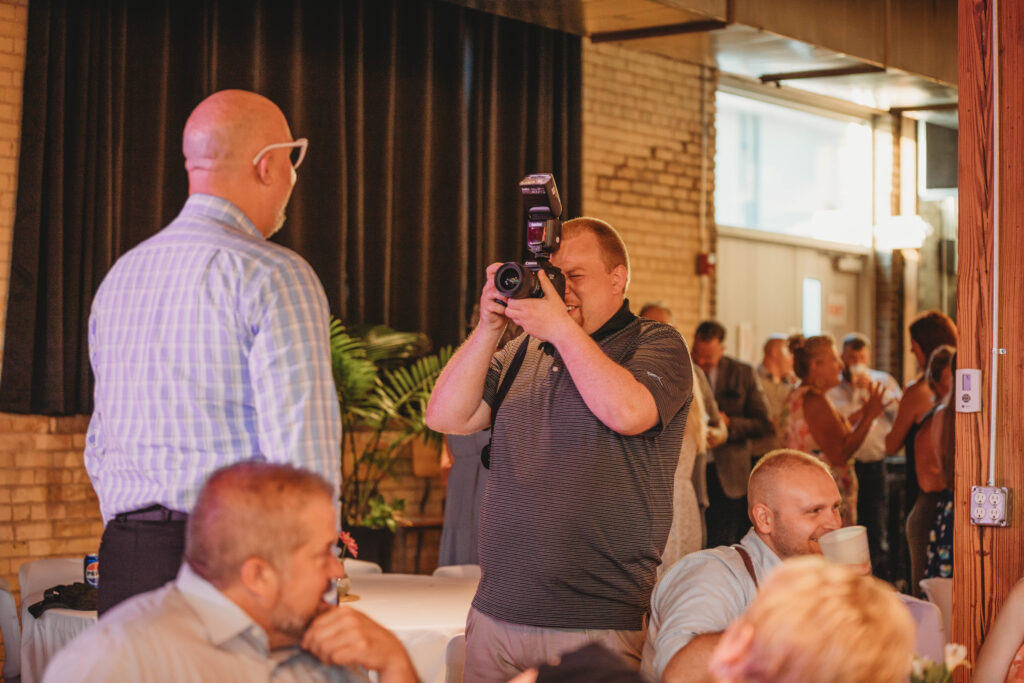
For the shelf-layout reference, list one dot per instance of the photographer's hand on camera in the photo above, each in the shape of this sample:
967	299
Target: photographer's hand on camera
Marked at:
544	318
456	404
492	305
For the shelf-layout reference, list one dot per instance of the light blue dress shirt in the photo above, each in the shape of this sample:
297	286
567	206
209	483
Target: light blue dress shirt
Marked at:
209	346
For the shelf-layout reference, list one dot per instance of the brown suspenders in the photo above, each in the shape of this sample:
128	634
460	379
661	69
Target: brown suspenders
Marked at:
745	556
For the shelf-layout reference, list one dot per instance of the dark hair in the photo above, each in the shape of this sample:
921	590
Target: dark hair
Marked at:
856	341
806	350
940	359
709	330
931	330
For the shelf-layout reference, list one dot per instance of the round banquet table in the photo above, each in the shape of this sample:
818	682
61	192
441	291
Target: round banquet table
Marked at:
425	612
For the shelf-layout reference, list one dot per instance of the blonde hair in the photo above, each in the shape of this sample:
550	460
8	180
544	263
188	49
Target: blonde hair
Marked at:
806	350
818	622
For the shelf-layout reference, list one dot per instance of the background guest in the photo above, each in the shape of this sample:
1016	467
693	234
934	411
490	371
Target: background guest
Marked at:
817	622
704	429
465	479
747	417
777	379
930	522
928	331
848	397
815	426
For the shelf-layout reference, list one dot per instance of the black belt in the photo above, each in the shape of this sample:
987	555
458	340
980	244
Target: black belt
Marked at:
154	513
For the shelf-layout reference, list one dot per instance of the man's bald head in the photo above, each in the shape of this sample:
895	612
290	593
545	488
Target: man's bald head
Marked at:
769	477
228	128
794	501
657	312
250	509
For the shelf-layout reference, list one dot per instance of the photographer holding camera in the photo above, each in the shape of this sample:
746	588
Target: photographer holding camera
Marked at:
584	449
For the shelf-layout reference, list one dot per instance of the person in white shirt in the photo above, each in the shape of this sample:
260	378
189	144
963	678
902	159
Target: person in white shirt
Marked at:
247	604
793	501
848	397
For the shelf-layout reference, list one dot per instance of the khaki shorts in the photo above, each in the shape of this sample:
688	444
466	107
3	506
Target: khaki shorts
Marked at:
498	650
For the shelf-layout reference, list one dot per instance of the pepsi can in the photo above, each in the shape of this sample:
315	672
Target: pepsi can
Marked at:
92	570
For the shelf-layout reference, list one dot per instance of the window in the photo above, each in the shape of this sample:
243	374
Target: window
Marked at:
790	171
811	307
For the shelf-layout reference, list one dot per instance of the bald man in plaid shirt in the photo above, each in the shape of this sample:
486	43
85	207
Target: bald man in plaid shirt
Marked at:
210	345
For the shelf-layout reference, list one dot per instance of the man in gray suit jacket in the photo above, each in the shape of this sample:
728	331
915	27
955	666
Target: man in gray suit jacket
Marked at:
742	402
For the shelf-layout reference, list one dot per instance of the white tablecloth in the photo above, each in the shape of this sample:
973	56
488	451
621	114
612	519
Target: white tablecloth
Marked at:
423	611
41	638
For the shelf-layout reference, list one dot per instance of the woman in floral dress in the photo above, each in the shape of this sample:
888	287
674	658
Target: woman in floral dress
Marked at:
815	426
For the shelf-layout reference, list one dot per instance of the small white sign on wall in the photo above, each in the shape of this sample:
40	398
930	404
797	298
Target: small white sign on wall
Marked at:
836	309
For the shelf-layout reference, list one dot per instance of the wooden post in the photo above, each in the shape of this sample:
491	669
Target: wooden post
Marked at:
989	560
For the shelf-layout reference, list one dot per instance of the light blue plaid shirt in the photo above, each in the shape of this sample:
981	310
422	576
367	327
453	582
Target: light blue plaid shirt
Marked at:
209	346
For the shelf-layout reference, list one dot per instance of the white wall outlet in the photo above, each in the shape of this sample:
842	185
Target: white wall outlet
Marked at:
990	505
968	390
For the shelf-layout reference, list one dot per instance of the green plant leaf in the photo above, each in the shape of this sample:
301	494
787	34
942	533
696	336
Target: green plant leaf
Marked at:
384	382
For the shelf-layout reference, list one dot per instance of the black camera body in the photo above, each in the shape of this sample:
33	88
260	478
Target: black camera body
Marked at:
543	237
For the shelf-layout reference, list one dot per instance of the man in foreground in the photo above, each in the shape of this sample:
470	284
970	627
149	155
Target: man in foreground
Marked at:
793	502
209	344
818	622
259	557
583	453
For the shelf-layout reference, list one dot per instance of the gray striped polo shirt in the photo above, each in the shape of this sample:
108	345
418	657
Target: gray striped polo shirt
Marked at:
575	515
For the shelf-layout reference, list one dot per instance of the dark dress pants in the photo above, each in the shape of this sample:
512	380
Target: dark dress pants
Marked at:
138	556
727	519
873	512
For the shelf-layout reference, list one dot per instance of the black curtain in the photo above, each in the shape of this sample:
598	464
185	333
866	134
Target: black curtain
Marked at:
422	117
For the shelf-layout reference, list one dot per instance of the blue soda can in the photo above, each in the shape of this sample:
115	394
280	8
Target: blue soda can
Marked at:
92	570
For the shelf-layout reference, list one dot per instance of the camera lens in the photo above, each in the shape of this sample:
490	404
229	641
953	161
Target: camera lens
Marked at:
514	281
510	279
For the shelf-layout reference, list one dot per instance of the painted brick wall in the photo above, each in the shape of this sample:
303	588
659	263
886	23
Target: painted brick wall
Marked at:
644	137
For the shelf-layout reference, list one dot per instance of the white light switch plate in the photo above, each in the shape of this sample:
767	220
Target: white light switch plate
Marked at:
968	391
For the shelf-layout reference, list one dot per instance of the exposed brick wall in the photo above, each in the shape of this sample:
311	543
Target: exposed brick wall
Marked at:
47	505
13	29
643	142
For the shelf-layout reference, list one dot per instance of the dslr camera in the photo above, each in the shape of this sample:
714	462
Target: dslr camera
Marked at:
543	237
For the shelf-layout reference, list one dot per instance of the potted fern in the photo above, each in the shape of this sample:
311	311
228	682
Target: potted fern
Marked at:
384	379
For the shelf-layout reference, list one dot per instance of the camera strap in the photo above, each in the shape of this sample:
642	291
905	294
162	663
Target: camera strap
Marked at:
506	384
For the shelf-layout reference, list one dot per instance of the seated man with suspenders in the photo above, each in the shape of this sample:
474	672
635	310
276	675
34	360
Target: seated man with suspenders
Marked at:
793	501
